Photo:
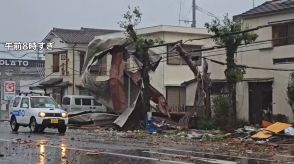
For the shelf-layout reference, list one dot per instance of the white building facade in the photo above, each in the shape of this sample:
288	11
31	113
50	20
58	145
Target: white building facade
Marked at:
263	89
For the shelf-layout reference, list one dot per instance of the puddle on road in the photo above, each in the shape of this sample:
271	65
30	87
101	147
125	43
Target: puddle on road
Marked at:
28	153
42	153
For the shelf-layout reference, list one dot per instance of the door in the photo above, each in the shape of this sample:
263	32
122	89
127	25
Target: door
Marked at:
24	111
15	108
260	101
66	104
86	104
98	106
176	98
76	105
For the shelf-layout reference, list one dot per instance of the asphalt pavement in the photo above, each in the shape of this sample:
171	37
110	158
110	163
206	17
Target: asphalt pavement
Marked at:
79	146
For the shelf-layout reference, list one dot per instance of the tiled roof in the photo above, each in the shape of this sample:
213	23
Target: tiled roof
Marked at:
269	7
82	36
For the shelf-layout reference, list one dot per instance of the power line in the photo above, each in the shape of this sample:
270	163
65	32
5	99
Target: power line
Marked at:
207	49
37	80
252	67
15	55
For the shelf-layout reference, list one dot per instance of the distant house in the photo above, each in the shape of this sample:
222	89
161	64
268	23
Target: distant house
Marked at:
65	61
262	90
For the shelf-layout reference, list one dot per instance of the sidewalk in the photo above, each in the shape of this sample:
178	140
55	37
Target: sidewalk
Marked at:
4	116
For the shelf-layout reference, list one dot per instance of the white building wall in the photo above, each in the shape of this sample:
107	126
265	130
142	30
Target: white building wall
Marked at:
259	55
174	75
73	67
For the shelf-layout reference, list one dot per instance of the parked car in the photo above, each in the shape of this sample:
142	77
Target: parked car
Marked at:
38	113
80	103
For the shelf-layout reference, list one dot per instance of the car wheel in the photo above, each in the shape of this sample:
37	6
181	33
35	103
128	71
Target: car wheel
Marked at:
33	125
62	129
13	124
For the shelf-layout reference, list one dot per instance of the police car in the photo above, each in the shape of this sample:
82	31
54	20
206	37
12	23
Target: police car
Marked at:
38	113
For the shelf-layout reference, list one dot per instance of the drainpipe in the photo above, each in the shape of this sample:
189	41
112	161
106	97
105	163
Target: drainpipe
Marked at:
73	66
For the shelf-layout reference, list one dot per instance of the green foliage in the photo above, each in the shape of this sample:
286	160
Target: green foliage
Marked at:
228	34
235	74
205	123
221	111
131	19
290	91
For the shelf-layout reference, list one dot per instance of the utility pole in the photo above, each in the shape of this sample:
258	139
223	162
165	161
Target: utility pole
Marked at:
73	68
146	80
194	13
38	53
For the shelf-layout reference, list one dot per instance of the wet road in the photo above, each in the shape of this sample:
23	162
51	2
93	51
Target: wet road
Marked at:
77	146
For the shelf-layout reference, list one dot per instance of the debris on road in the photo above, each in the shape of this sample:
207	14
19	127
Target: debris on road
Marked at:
289	131
274	129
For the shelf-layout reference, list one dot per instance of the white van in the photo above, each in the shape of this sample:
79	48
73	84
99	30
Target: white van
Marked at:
79	103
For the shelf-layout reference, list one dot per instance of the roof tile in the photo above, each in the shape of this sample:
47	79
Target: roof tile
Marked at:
82	36
270	6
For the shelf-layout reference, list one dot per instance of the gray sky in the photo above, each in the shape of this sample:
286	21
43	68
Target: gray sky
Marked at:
31	20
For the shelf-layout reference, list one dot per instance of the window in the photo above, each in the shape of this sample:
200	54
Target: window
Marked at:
78	101
43	102
23	102
219	88
176	98
66	101
96	103
56	62
174	59
100	68
82	60
16	101
283	61
283	34
86	101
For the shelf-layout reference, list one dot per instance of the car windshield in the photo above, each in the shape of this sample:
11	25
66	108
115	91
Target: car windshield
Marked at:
43	102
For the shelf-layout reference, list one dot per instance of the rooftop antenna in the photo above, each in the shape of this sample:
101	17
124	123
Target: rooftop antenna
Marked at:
253	3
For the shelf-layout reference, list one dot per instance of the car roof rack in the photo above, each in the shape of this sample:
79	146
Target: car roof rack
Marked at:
32	93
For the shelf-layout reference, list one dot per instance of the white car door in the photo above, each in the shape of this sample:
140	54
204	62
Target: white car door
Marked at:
15	110
24	111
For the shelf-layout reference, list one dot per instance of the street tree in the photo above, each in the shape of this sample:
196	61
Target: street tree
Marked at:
131	19
230	34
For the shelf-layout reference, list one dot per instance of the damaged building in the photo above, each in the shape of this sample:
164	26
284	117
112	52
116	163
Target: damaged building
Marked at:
172	71
65	61
120	87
